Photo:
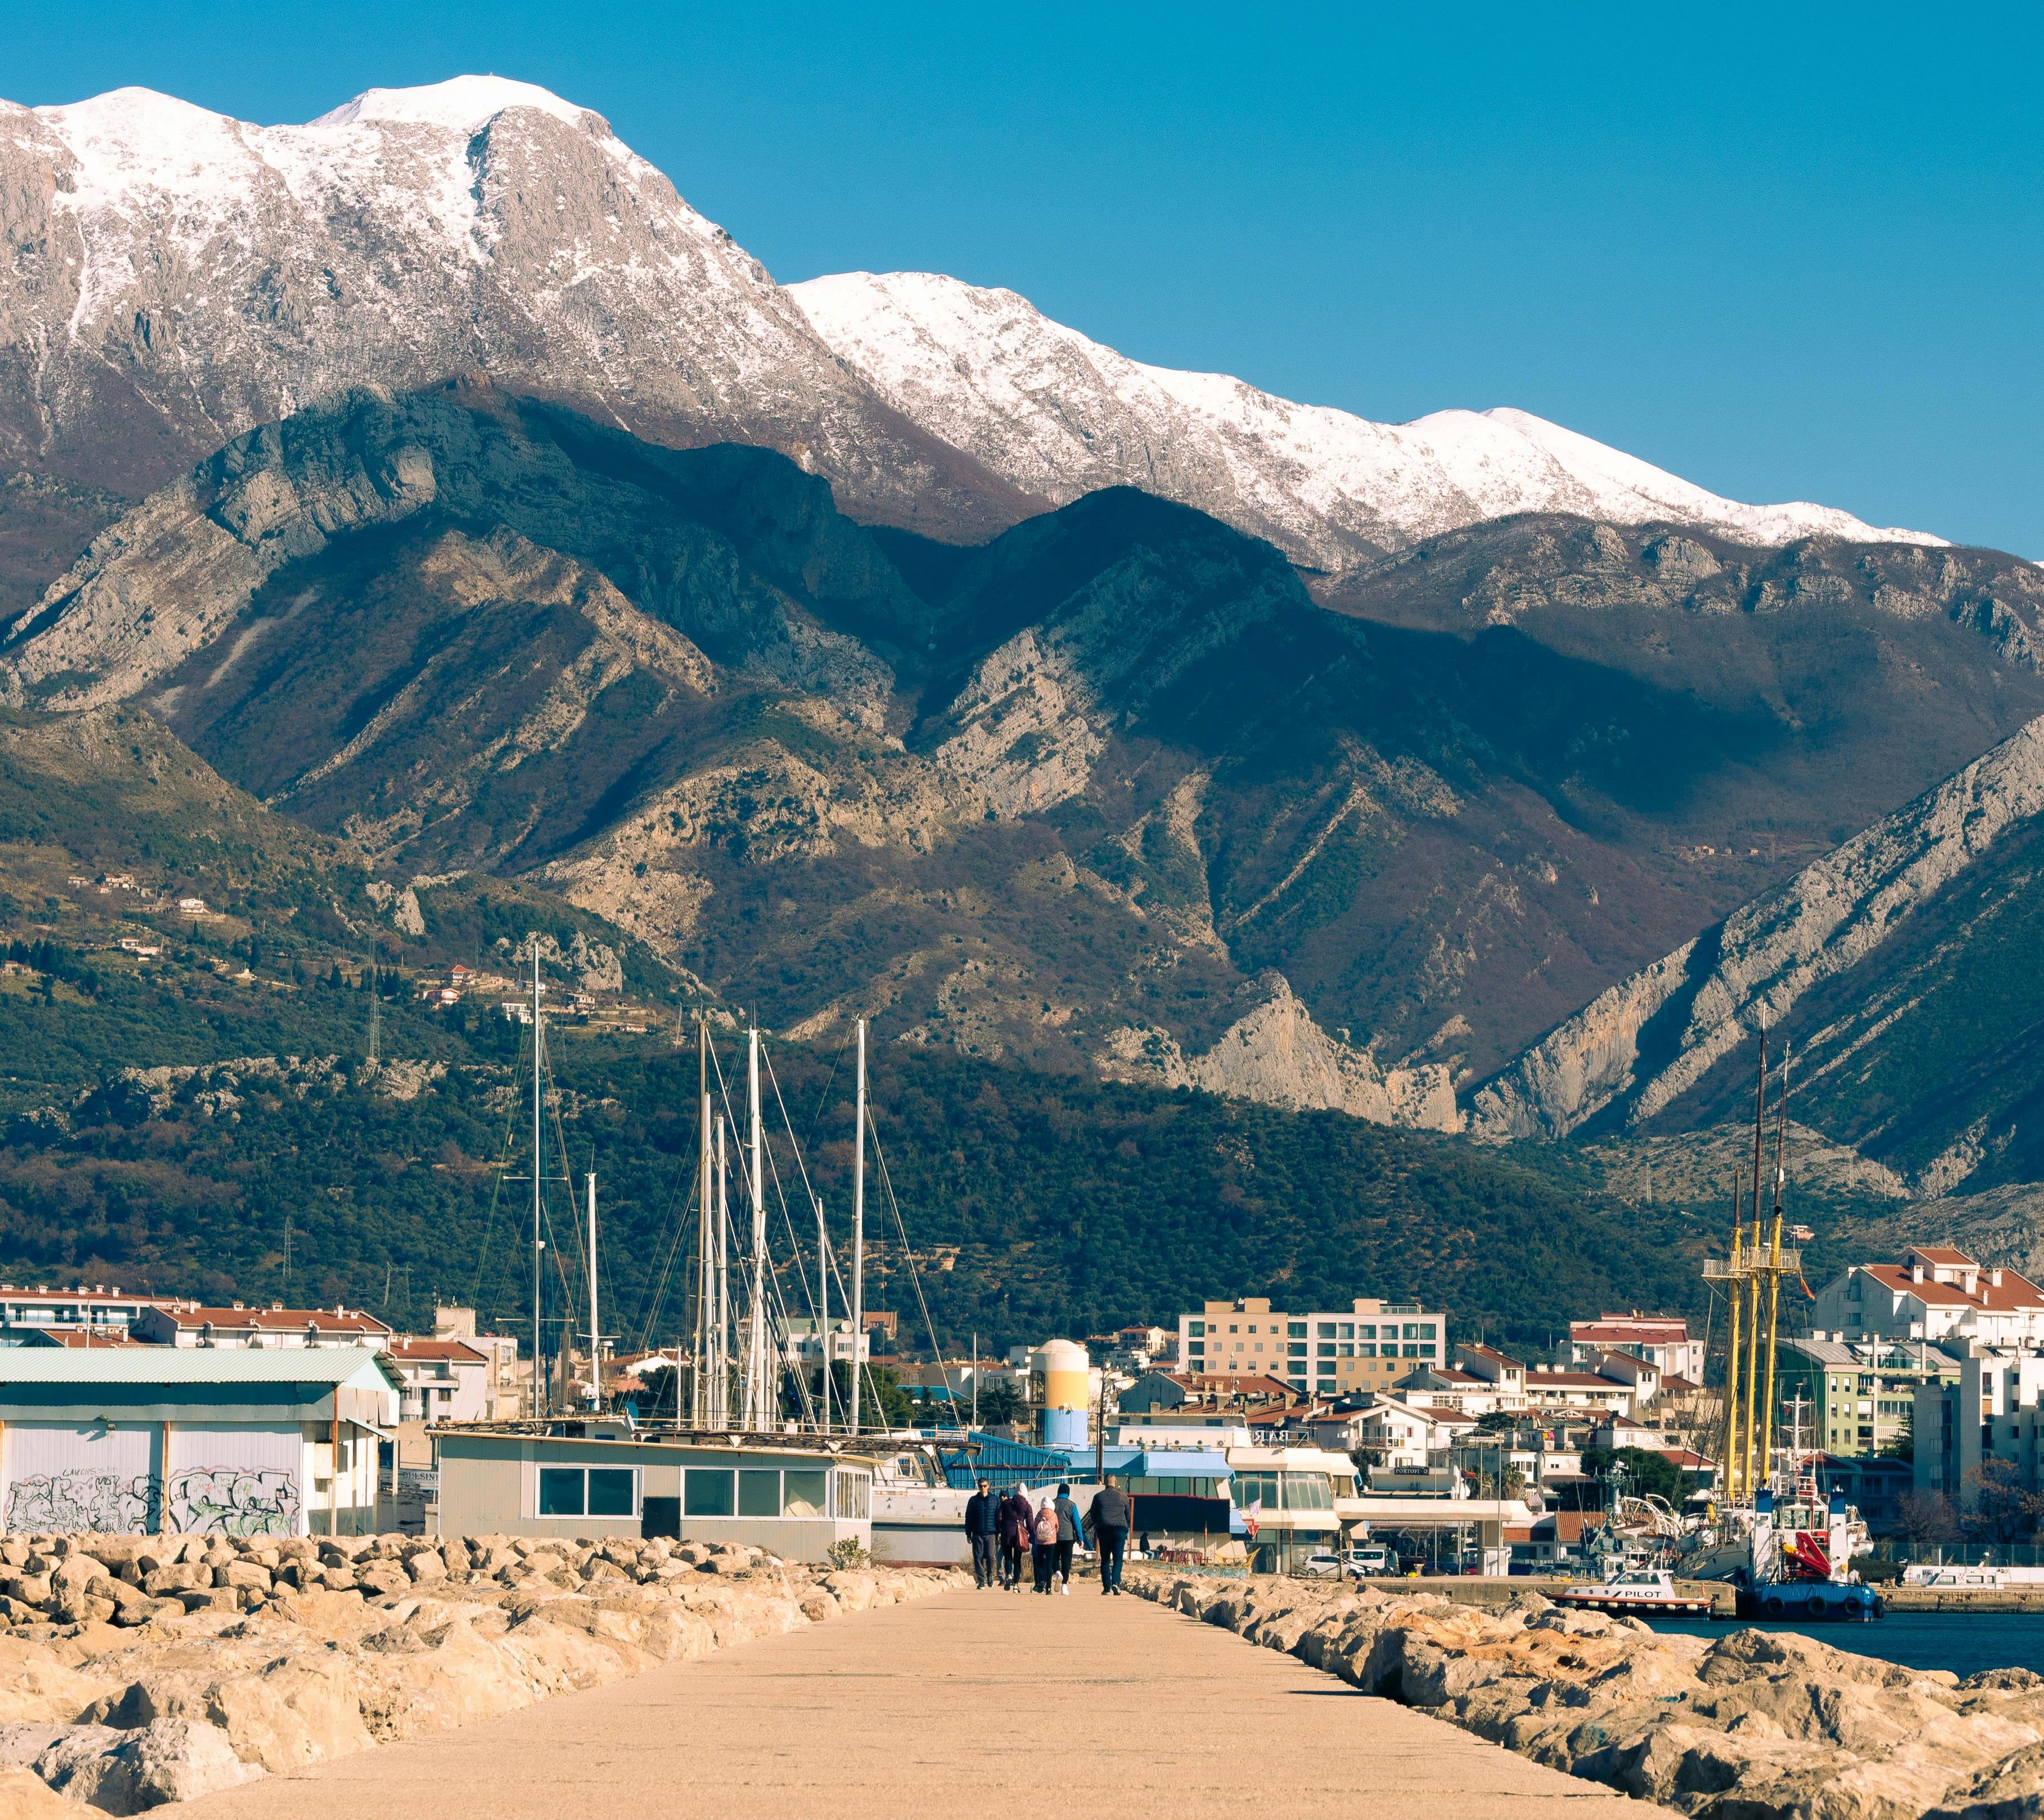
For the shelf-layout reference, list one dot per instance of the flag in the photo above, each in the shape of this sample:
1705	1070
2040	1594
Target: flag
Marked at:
1252	1518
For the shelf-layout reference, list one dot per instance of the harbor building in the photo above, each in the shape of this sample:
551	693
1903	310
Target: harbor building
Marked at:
1367	1346
602	1478
1986	1421
193	1441
1860	1396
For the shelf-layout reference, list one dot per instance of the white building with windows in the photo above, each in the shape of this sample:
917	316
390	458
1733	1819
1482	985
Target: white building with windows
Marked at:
1368	1345
1290	1494
1992	1411
1935	1293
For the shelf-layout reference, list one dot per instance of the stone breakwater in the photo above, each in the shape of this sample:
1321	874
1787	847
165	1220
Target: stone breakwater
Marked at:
1748	1725
138	1670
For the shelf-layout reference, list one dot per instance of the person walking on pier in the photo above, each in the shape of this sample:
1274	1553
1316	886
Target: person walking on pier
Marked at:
1015	1518
1044	1554
982	1525
1108	1517
1068	1536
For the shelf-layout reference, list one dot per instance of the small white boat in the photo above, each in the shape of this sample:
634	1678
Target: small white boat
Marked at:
1635	1592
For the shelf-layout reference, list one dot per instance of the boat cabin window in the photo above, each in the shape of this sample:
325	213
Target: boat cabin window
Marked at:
588	1491
802	1493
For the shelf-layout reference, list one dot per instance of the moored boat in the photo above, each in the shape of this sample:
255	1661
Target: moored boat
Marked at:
1635	1592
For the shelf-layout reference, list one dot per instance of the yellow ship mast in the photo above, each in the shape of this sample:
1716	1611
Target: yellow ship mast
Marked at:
1752	1274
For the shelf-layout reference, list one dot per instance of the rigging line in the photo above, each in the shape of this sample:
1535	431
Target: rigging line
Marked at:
915	1276
674	1194
794	1143
787	1219
657	1293
845	1043
737	1130
496	1189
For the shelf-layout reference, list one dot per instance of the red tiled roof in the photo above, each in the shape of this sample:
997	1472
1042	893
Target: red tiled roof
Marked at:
1572	1380
1651	1333
457	1352
1940	1254
84	1339
281	1320
1675	1382
2014	1291
1489	1353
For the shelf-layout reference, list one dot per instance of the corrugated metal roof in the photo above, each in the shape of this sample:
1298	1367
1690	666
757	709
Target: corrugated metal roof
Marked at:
184	1365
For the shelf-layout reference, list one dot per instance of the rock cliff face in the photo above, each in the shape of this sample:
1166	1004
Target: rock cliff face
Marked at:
1276	1055
181	278
1641	1047
1060	416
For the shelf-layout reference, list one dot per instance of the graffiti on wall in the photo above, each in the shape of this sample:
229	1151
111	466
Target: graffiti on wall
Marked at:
83	1498
233	1501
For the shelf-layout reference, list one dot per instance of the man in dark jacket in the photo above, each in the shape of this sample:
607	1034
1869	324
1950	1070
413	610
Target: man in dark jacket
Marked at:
982	1524
1108	1517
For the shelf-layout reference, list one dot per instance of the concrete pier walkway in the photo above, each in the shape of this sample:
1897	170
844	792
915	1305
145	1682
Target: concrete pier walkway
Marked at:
983	1702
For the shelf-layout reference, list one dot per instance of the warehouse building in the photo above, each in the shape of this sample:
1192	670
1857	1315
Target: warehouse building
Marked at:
199	1441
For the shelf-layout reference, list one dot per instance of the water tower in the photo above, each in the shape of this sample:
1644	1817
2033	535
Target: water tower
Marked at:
1065	1374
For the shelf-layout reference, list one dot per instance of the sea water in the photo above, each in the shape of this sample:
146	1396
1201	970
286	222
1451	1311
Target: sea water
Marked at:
1964	1641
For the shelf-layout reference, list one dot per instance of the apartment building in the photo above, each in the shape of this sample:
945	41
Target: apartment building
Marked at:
1857	1398
193	1324
1936	1294
1987	1410
1368	1345
1661	1341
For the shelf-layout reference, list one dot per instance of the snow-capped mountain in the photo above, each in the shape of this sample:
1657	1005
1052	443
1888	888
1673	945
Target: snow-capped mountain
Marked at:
1059	415
177	277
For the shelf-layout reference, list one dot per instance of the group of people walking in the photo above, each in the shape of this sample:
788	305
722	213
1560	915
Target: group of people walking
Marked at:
1002	1528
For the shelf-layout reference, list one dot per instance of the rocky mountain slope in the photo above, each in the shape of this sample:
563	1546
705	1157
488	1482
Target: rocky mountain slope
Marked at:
1899	966
177	277
1060	416
1110	791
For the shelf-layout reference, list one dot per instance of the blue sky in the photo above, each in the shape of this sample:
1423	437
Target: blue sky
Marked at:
1787	252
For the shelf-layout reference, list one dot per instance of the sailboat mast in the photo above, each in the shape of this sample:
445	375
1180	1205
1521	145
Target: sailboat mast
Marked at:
1755	1473
723	1415
595	1371
858	1231
1733	1485
823	1304
1774	1252
757	1397
698	1387
539	1240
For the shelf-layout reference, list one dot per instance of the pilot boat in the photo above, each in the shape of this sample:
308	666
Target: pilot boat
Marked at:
1635	1592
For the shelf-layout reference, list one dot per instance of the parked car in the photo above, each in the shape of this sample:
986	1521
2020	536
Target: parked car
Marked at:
1321	1566
1371	1559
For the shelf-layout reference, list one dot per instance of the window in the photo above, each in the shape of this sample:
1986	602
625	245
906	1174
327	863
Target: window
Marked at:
1252	1327
854	1494
1427	1331
1294	1349
1327	1330
803	1493
561	1491
1325	1385
707	1491
1197	1329
1365	1352
1411	1352
759	1493
1426	1352
1196	1348
1307	1492
1294	1329
588	1491
1364	1330
1233	1329
1411	1331
1326	1349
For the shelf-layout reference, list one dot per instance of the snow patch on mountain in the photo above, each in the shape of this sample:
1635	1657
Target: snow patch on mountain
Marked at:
1061	416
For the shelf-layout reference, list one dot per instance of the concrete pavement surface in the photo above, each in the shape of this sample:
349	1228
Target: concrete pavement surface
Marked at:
979	1702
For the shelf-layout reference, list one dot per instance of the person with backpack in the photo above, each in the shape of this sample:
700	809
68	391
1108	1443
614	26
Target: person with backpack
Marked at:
1043	1534
1108	1519
1069	1532
1016	1518
982	1525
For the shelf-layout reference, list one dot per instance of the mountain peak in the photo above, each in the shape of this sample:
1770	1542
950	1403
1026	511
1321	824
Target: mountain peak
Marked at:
464	103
